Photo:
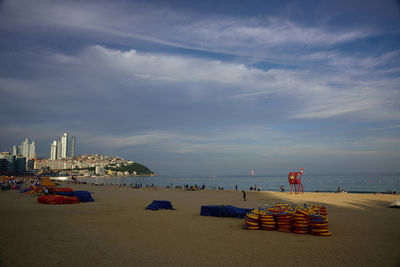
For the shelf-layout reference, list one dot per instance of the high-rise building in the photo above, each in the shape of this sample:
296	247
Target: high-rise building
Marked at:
25	148
53	150
63	148
12	165
71	147
32	150
59	150
64	145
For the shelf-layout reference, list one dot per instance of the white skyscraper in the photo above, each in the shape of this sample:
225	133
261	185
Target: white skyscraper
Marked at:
53	150
32	150
63	148
59	150
64	145
25	148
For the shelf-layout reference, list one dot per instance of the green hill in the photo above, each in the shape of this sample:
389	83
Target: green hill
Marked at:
134	167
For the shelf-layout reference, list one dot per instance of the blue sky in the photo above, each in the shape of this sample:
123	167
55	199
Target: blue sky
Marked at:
206	87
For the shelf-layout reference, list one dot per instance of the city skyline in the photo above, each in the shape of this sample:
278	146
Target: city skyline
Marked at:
206	87
26	149
63	148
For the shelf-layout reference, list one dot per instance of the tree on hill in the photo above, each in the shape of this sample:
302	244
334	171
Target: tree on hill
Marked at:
131	168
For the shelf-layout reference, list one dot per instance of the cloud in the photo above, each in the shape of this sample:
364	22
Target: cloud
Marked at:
262	33
172	82
261	37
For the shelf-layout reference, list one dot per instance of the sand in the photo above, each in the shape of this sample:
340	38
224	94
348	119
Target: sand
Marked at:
116	230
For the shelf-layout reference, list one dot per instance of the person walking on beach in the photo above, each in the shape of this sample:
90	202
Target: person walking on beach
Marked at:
244	195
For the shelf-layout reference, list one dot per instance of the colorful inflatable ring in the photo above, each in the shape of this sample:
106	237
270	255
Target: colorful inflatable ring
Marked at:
302	212
251	223
319	230
266	217
253	227
300	216
324	234
253	216
302	221
316	216
284	227
318	225
286	216
284	222
300	225
300	231
319	220
268	223
258	212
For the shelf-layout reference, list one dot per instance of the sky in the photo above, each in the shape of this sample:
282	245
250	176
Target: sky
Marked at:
206	87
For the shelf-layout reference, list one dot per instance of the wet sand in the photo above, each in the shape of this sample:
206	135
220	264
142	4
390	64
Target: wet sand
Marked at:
116	230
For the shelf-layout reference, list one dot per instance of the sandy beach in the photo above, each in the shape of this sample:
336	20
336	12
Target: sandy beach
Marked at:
116	230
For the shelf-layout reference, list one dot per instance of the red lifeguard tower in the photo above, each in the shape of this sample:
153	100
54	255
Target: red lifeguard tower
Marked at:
295	180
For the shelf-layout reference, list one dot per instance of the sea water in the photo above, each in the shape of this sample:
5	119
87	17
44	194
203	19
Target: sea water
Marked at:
361	183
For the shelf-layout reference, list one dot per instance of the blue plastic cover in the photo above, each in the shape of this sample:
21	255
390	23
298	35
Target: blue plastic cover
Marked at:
223	211
84	196
160	204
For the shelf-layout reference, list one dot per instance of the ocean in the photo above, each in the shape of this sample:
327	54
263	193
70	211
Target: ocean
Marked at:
352	183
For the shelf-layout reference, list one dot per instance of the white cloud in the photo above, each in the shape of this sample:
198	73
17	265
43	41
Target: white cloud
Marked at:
259	36
315	94
260	33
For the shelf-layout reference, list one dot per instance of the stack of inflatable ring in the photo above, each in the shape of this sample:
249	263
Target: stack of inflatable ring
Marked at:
322	210
284	221
252	221
268	222
319	224
301	222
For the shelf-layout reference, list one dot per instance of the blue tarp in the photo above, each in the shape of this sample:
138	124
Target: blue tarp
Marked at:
84	196
160	204
223	211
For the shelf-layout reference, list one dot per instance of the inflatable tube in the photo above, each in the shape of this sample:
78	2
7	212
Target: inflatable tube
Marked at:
75	200
253	227
283	217
320	230
302	212
258	212
253	217
268	227
301	221
266	217
268	224
300	225
300	231
284	226
319	224
251	223
324	234
301	216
